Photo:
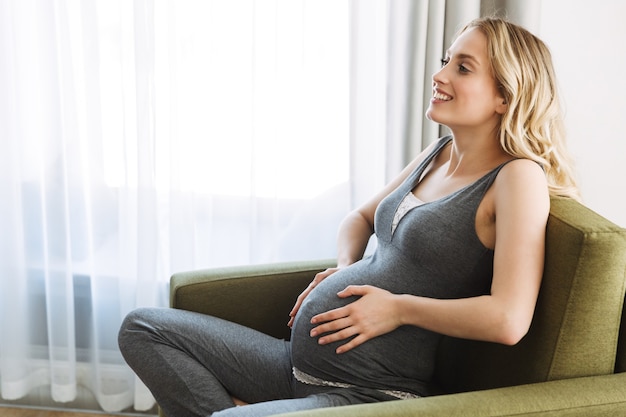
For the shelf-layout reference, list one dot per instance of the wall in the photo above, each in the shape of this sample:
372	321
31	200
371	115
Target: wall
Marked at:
586	40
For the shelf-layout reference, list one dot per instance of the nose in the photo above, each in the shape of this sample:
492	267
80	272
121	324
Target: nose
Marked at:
439	77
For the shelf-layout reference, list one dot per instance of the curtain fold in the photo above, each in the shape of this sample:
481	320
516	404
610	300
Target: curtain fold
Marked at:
369	74
420	34
148	137
521	12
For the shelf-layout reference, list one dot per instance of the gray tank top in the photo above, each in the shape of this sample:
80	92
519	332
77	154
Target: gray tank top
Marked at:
433	252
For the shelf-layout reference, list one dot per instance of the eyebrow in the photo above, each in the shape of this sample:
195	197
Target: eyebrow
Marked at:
463	56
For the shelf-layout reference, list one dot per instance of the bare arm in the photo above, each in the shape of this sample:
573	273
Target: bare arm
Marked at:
355	231
521	204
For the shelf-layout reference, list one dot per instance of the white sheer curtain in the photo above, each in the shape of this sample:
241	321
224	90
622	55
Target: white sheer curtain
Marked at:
140	138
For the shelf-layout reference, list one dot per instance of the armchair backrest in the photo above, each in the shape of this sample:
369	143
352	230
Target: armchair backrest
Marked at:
620	361
576	326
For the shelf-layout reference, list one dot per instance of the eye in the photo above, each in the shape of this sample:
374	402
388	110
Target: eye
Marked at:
445	61
463	69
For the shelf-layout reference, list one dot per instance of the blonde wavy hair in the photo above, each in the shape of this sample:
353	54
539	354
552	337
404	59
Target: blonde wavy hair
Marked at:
532	126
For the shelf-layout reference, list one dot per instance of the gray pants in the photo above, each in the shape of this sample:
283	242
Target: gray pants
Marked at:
192	363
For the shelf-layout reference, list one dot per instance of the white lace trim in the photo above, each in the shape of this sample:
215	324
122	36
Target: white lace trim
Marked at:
408	202
311	380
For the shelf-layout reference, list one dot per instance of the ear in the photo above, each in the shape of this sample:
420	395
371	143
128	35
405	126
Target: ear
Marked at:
501	105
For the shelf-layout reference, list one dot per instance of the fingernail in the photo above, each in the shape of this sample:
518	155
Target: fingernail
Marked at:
313	333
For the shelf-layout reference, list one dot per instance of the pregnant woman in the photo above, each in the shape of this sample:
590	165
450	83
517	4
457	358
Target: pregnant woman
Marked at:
460	253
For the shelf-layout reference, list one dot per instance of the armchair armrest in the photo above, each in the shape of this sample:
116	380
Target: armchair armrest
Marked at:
257	296
598	396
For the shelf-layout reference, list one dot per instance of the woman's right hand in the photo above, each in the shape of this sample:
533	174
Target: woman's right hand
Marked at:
318	278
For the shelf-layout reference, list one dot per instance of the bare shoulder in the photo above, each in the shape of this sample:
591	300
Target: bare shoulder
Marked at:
521	188
522	173
522	167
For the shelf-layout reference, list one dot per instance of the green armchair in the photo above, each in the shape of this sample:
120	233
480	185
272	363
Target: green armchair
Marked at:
571	363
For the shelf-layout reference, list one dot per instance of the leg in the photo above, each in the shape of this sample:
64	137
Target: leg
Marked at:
271	408
309	398
193	363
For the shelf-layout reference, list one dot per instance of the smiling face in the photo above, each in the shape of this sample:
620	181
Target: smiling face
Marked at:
465	94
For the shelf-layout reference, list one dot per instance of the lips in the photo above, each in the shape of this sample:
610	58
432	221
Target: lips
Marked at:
438	95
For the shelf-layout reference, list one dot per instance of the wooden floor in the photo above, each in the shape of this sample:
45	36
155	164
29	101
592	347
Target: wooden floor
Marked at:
37	412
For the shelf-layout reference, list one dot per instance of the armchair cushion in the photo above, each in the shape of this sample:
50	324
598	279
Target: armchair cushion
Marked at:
597	396
257	296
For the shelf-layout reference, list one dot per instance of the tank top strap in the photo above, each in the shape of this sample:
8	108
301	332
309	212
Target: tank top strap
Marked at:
414	177
491	176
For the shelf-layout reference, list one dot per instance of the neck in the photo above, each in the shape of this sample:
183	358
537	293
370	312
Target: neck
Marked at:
474	153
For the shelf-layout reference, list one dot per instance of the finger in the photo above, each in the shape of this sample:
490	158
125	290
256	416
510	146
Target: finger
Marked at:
351	290
294	312
319	277
342	334
296	307
331	315
331	326
359	340
325	274
300	299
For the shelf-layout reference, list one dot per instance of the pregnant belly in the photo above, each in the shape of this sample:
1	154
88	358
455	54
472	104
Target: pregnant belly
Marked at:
399	359
308	355
402	359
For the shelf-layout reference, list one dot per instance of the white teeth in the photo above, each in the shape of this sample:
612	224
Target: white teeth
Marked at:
441	96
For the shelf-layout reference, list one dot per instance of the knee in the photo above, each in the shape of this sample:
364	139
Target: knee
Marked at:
136	326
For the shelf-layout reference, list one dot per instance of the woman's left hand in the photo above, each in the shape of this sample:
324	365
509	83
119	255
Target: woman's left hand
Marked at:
372	315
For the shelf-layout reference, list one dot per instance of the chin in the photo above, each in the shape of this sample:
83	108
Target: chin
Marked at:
431	114
433	118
